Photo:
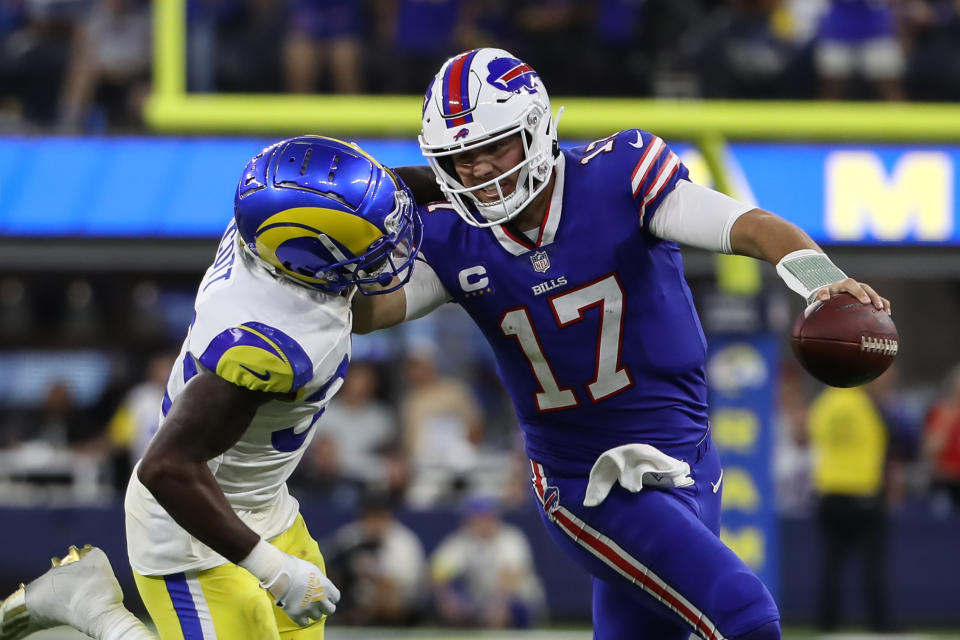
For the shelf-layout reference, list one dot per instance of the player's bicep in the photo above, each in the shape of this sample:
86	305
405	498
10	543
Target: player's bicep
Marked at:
207	418
699	217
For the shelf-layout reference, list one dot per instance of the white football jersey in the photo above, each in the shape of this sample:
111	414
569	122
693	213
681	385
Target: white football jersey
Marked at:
266	334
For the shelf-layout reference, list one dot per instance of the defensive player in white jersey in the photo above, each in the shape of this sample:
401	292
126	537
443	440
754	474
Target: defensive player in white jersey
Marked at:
216	542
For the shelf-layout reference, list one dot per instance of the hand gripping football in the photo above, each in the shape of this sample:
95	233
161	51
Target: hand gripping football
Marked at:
843	342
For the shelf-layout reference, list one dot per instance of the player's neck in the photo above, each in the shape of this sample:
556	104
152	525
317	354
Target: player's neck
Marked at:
532	216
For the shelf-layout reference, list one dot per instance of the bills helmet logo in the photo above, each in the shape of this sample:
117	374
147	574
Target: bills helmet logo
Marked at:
512	75
463	133
541	261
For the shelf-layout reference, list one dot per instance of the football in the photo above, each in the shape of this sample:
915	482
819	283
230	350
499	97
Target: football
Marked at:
843	342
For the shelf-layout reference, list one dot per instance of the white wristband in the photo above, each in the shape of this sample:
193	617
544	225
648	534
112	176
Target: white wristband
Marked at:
806	271
265	562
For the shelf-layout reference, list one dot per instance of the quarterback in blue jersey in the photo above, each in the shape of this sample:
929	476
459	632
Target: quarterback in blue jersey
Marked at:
216	542
568	261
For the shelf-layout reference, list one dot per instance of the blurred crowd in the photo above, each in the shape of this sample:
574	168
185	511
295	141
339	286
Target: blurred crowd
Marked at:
422	415
423	423
85	65
896	443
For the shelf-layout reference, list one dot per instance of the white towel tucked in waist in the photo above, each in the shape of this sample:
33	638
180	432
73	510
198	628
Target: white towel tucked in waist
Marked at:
633	466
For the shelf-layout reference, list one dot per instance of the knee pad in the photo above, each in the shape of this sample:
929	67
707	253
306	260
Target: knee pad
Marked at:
769	631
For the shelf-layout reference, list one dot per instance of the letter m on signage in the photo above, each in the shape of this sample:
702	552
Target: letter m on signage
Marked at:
914	201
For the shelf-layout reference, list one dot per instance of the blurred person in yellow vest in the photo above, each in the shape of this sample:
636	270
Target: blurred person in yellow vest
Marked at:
849	440
137	418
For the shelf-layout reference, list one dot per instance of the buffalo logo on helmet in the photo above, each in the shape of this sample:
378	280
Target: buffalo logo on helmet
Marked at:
512	75
463	133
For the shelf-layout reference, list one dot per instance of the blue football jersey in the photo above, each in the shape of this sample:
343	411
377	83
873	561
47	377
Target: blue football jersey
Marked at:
592	323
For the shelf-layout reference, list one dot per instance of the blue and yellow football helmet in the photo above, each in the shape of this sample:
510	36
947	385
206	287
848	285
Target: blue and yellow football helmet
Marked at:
326	214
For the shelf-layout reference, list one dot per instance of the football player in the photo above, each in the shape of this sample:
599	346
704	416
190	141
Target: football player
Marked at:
568	261
216	542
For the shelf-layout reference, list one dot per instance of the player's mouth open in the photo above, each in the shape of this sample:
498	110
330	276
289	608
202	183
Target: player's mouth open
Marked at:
489	194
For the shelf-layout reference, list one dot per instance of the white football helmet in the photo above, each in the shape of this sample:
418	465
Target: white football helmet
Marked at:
479	97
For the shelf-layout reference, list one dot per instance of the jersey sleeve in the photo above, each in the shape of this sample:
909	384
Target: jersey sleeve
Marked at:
259	357
654	168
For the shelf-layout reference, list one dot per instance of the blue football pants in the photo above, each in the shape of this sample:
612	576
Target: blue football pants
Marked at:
658	567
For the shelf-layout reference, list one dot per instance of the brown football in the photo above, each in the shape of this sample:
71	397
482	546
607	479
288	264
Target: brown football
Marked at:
843	342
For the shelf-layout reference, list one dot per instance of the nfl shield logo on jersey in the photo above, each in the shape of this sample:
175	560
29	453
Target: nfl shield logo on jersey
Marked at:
541	261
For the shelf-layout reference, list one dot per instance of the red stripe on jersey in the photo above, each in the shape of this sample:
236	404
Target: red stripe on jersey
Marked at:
537	480
649	197
655	147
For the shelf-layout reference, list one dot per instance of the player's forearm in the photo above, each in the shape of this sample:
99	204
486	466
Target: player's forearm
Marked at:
207	418
765	236
378	311
192	497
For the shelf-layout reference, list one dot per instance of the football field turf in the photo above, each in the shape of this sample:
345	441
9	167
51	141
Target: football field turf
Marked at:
558	634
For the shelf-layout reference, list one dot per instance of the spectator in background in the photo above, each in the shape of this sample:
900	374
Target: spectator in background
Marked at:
486	23
857	39
249	58
932	39
791	465
58	422
17	321
849	439
545	30
904	431
941	444
380	567
750	51
34	54
413	35
324	36
109	66
357	439
483	573
614	57
203	24
442	426
138	417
